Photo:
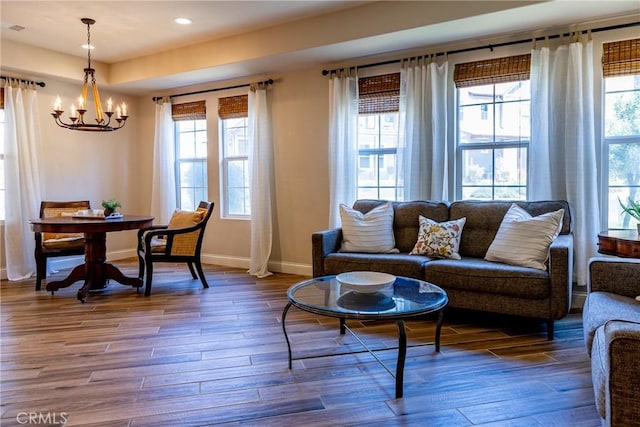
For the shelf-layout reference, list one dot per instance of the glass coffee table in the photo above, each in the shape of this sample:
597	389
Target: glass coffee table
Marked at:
403	299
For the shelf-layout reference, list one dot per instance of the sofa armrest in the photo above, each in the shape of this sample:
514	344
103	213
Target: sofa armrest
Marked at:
614	275
622	339
561	275
324	243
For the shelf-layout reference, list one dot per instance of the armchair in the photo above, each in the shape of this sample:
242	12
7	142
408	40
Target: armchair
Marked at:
178	241
611	322
49	245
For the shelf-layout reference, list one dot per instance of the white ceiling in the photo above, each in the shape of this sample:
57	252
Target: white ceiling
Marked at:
127	30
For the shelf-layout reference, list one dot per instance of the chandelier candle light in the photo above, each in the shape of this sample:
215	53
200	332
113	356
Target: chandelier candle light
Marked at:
76	115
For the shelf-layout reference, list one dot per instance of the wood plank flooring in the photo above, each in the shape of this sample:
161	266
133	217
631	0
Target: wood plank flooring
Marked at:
188	356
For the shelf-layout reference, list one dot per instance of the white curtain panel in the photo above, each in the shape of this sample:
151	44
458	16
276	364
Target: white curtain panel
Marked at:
260	181
22	177
343	143
563	149
163	187
421	163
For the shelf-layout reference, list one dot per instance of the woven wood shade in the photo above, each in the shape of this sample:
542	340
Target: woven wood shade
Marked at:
379	94
621	58
196	110
492	71
233	107
1	98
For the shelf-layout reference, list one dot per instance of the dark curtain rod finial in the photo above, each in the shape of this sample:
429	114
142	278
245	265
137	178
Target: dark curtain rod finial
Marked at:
41	84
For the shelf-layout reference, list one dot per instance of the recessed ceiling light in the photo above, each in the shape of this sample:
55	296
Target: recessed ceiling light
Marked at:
182	21
88	46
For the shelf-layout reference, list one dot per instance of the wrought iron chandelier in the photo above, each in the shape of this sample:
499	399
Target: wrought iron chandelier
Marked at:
76	115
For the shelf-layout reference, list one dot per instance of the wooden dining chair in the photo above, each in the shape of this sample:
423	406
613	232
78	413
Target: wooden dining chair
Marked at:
49	245
178	241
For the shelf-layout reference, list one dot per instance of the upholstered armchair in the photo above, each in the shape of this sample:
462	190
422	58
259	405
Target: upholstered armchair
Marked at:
611	322
49	245
178	241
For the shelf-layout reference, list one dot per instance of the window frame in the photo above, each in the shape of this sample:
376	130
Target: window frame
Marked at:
607	143
494	113
202	162
224	170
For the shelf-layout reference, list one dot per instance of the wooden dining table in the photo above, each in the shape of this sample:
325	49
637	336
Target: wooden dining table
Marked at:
96	270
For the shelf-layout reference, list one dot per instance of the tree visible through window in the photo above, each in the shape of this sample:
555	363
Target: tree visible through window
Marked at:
622	140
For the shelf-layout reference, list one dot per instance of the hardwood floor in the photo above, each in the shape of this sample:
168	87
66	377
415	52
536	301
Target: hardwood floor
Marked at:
188	356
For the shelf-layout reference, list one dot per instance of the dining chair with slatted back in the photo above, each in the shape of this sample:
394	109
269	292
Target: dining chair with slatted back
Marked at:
178	241
49	245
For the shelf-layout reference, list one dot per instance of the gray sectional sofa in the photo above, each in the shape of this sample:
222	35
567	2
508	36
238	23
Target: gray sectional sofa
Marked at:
471	282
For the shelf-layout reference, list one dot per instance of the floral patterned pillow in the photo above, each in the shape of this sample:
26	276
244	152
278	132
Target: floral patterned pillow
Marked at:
439	239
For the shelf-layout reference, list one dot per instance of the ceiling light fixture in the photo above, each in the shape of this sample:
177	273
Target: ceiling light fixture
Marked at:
77	114
183	21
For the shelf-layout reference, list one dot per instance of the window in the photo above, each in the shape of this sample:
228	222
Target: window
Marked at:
622	128
378	137
493	128
233	112
191	154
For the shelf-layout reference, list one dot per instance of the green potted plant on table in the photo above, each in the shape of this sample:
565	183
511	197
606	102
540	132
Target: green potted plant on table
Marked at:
110	206
632	209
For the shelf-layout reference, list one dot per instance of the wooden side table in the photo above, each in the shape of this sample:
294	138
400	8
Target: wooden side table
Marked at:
622	243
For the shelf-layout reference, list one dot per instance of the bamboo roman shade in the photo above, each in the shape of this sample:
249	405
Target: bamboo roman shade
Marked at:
1	98
492	71
233	107
379	94
196	110
621	58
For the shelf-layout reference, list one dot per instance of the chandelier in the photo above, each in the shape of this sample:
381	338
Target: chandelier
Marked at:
76	115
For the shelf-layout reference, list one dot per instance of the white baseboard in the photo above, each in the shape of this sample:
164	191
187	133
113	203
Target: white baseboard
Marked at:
577	300
274	266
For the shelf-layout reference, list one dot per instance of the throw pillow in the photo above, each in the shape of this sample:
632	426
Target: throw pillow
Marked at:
183	219
371	232
524	240
439	239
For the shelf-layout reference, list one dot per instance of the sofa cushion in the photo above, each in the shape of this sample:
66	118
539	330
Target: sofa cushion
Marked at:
484	219
367	232
396	264
438	239
405	218
600	307
478	275
524	240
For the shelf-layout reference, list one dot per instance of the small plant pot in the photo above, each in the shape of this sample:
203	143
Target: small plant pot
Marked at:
108	211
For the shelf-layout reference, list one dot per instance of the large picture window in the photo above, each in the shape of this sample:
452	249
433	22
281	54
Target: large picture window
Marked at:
493	128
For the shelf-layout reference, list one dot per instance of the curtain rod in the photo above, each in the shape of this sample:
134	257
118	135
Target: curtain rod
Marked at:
157	98
41	84
488	46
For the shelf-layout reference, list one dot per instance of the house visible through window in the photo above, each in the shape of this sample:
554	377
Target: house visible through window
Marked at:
621	69
493	127
234	147
378	137
191	154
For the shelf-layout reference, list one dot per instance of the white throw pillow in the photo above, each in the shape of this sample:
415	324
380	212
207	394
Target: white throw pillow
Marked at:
439	239
371	232
524	240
